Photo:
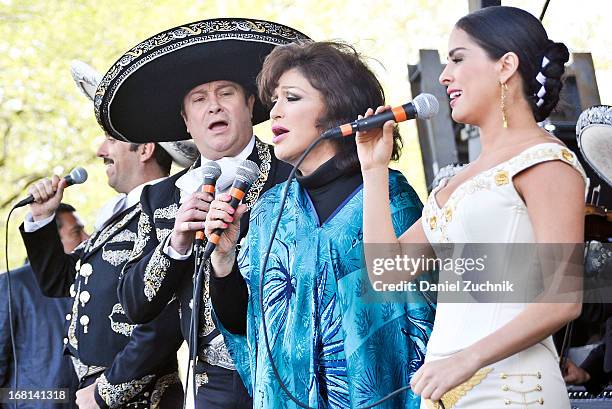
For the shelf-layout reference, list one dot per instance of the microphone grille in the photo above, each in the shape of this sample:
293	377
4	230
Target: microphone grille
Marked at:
426	106
78	175
247	172
211	170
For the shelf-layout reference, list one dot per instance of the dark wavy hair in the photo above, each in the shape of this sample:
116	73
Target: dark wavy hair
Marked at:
346	83
502	29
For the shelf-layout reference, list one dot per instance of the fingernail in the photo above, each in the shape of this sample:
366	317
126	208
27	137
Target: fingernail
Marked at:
231	211
231	219
224	226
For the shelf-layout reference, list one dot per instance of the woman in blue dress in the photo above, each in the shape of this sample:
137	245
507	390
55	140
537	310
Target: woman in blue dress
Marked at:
335	342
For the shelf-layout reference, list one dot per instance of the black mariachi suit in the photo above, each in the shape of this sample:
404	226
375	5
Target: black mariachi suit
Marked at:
151	279
135	366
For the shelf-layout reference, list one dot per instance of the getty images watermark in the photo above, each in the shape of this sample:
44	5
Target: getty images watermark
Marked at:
490	272
412	266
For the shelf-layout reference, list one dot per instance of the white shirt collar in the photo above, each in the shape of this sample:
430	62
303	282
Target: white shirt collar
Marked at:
119	203
191	180
133	196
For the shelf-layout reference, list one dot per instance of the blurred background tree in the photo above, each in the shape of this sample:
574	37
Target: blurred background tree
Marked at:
47	126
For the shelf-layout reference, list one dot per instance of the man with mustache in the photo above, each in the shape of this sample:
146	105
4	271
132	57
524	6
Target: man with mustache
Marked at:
119	365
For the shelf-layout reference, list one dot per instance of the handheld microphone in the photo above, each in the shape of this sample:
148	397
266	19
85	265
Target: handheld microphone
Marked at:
76	177
424	106
247	173
211	172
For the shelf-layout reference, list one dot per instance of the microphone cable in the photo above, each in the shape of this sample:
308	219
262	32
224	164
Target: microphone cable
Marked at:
10	304
261	289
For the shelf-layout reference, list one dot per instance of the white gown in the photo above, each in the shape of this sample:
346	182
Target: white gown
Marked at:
488	209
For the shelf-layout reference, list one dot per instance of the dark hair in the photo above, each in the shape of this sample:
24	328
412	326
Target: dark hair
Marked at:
62	208
502	29
162	157
346	83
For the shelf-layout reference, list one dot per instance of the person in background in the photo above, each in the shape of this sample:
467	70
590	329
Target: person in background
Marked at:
38	323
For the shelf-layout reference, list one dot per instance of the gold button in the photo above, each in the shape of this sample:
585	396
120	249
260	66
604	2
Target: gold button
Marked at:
503	375
567	155
433	223
501	178
505	388
448	214
538	388
541	401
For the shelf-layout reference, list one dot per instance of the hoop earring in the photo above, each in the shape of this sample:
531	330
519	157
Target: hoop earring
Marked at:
504	93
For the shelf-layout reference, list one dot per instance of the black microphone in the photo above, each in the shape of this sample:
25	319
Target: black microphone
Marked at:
211	171
246	174
424	106
76	177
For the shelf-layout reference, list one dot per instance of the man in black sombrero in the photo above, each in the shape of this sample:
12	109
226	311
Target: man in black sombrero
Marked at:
196	80
118	364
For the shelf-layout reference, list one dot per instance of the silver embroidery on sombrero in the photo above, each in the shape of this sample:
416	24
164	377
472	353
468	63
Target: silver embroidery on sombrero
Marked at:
198	32
116	395
265	157
122	328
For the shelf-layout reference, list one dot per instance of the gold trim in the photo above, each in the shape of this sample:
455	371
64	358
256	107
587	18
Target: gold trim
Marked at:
450	398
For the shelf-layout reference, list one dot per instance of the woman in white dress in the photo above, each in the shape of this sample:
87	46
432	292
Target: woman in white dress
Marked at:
503	75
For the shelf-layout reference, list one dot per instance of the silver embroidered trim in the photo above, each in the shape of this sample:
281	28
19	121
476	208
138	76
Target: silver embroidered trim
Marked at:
160	387
168	213
216	353
206	320
111	229
122	328
263	152
83	370
162	234
144	229
125	235
116	257
155	272
116	395
72	339
201	379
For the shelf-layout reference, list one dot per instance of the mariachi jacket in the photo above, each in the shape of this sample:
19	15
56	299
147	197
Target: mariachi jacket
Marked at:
134	364
151	278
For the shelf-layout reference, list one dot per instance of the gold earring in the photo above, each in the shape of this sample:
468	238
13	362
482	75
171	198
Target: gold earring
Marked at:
504	92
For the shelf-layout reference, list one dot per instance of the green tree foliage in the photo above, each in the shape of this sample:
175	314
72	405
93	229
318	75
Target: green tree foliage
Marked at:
47	126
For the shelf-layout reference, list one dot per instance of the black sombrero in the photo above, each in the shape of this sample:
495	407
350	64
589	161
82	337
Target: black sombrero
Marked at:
139	98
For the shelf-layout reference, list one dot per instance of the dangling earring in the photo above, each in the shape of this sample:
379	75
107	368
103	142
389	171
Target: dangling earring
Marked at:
504	92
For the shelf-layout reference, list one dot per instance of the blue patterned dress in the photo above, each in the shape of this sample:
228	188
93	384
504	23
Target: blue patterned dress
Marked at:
333	348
